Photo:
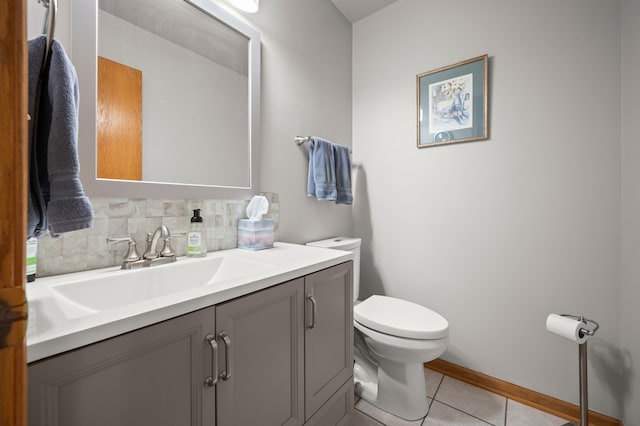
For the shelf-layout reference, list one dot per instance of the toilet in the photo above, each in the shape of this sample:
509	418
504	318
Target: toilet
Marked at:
393	339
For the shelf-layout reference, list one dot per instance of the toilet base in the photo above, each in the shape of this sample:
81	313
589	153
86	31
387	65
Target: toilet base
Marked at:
397	388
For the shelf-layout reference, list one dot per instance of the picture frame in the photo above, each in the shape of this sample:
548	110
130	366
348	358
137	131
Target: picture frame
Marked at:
452	103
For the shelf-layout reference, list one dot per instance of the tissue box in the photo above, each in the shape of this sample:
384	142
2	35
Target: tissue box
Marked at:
255	234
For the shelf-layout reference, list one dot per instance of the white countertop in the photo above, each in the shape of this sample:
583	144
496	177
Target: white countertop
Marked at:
54	328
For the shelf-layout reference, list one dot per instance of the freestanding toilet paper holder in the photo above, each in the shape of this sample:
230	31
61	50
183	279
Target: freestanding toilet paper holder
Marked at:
582	360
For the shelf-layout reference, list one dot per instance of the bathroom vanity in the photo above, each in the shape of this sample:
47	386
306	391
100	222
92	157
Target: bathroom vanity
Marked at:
264	346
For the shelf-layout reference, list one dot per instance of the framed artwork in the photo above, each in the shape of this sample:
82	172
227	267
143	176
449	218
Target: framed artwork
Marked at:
452	103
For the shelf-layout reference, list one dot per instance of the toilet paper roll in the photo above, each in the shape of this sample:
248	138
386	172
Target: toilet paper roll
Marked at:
567	327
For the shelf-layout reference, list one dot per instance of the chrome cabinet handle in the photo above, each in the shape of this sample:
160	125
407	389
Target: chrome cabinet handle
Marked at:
226	374
314	311
211	381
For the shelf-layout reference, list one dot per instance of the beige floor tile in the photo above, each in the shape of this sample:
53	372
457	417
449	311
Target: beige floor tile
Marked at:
477	402
443	415
459	404
364	420
522	415
384	417
433	380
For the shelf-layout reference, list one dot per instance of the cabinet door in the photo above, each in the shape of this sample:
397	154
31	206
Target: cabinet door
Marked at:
152	376
263	354
338	410
329	334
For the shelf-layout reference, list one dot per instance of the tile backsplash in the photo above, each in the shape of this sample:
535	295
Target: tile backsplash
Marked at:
121	217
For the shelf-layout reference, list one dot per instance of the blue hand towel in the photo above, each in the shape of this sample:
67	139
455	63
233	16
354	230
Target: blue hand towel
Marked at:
329	172
343	174
36	214
68	208
321	182
59	201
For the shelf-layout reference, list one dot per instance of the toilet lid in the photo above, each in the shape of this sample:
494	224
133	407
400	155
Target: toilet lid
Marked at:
400	318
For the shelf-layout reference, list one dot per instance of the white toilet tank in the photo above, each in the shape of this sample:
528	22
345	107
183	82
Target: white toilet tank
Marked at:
345	244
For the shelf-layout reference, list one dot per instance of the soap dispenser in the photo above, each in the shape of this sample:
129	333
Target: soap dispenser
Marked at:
196	237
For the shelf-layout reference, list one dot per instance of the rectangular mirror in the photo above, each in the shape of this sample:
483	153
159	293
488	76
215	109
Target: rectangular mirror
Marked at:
169	99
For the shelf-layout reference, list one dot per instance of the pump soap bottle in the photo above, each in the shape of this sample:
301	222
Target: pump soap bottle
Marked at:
197	237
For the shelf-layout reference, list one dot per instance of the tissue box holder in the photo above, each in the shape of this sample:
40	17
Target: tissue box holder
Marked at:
255	234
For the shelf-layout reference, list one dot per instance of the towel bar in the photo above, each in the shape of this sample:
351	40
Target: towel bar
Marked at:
49	26
303	139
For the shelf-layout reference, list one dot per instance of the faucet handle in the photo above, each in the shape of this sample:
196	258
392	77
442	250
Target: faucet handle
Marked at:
167	250
132	254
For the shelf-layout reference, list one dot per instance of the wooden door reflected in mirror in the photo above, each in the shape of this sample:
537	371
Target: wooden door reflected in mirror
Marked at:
119	121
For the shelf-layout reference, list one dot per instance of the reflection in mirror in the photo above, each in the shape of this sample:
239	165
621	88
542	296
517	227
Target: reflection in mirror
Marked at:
193	93
176	111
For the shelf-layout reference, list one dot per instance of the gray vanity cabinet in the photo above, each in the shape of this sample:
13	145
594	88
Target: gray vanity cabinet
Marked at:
290	353
284	357
265	349
328	335
152	376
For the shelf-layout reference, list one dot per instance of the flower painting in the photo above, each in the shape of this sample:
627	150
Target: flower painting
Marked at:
452	103
450	106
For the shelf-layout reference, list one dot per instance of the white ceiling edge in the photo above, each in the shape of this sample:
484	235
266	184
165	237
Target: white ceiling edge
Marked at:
354	10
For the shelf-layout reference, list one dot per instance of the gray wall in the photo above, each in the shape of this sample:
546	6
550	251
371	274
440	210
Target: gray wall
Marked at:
306	90
631	208
495	235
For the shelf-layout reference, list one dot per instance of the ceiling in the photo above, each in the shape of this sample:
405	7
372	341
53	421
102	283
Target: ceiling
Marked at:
355	10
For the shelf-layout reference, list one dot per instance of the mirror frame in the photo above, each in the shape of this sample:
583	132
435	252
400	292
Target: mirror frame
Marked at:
84	54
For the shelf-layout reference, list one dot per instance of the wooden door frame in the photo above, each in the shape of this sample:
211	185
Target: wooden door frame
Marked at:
13	207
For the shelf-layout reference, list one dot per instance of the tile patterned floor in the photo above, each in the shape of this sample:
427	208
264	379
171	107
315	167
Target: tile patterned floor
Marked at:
455	403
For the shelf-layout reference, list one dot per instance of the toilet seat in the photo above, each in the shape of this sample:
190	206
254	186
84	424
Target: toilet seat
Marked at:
400	318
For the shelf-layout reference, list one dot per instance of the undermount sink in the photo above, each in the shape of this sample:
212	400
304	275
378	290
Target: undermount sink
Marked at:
115	289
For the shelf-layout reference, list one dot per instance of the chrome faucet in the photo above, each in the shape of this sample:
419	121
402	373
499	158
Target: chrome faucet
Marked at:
152	252
152	255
